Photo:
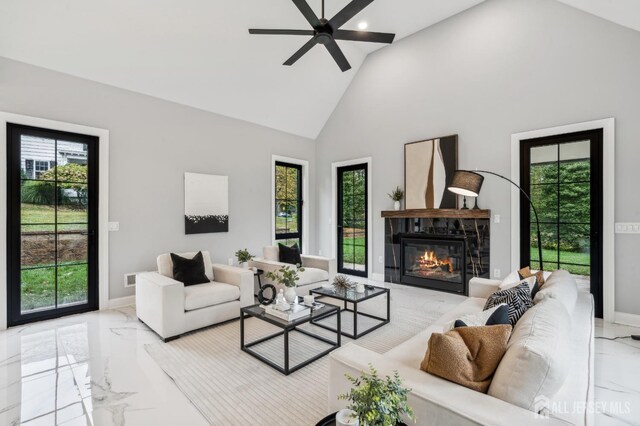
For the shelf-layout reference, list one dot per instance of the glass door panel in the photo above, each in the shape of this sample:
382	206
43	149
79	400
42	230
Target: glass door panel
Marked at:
288	204
352	220
53	247
563	175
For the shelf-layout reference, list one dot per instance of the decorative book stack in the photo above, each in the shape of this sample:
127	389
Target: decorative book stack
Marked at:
294	312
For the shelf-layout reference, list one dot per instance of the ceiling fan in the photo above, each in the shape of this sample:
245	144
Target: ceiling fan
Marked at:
326	32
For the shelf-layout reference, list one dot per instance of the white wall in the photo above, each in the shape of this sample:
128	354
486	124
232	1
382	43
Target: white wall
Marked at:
153	142
503	67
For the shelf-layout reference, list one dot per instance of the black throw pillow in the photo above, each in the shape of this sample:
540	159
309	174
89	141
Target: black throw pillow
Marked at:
189	271
459	323
499	316
288	254
535	290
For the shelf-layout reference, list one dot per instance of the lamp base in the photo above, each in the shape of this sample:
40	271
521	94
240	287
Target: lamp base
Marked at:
475	207
464	204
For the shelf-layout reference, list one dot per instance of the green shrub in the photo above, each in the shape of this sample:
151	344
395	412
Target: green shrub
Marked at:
42	193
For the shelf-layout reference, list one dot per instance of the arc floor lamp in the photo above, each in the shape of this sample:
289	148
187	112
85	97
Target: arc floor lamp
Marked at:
469	183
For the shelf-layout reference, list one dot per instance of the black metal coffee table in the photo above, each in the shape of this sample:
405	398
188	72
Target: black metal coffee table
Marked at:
350	296
289	326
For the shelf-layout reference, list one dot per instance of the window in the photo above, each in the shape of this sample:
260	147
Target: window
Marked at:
288	203
28	169
41	167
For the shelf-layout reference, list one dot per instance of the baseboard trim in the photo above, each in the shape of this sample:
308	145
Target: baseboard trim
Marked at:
627	319
377	277
121	302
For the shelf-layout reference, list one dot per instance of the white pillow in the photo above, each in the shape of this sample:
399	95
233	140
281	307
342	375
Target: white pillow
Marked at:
513	277
271	253
537	361
561	286
531	282
473	320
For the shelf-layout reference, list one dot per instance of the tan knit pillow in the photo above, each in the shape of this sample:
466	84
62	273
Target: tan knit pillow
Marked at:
526	273
467	355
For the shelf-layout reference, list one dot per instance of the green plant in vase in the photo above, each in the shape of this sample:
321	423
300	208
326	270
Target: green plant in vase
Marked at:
287	277
244	257
396	195
376	401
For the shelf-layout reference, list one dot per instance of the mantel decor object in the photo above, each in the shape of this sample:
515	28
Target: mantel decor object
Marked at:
429	167
396	195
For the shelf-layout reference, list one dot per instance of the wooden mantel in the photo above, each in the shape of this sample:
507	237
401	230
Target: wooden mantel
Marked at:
434	213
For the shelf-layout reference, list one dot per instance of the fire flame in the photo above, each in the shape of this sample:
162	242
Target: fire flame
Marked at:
430	261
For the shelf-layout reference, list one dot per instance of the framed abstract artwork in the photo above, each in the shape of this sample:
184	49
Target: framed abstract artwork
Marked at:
206	203
429	166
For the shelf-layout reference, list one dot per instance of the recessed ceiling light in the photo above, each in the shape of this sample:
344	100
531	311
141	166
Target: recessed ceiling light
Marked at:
363	25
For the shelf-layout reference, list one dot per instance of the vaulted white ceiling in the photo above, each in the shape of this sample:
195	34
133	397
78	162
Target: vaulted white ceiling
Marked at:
199	53
622	12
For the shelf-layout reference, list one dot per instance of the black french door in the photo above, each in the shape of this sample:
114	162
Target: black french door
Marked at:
352	220
563	175
52	218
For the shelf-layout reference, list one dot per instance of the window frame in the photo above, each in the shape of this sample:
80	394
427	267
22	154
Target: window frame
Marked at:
299	205
304	204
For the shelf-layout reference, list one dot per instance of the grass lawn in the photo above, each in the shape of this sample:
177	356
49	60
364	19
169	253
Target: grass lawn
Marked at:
291	221
353	250
35	213
551	256
38	286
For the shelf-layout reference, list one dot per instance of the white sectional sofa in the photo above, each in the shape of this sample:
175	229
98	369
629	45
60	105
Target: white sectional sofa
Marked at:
551	346
318	269
171	309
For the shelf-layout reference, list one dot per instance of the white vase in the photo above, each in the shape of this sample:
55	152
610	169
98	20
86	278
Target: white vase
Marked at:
346	417
244	265
290	294
396	205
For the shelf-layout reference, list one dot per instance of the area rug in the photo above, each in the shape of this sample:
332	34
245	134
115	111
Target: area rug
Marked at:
230	387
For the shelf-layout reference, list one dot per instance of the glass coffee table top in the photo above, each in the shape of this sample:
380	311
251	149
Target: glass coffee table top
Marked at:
350	295
258	312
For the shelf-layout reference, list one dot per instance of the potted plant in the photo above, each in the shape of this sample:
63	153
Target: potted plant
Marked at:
287	277
396	195
244	257
376	401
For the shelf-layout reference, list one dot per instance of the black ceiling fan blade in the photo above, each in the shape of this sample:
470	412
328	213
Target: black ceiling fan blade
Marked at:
282	32
348	12
369	36
338	56
304	49
308	13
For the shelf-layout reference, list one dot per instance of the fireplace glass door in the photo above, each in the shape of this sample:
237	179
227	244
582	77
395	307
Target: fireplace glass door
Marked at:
434	263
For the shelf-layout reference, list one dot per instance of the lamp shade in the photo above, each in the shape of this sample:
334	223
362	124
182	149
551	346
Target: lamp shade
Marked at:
466	183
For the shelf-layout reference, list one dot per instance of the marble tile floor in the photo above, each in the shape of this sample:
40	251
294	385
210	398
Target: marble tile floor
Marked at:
87	369
617	375
92	369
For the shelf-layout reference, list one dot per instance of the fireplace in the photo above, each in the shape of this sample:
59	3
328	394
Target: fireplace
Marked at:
436	262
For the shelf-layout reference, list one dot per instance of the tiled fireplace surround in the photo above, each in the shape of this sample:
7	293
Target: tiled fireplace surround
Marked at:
443	248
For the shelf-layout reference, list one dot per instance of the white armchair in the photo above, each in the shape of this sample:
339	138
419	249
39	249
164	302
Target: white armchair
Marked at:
318	269
170	308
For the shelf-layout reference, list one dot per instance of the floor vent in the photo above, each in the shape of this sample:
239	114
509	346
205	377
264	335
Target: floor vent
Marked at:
130	280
